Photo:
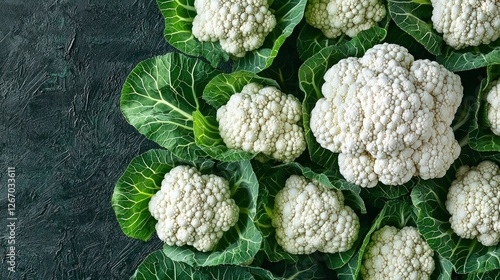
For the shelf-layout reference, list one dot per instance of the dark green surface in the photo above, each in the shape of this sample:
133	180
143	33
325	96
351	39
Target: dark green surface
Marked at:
62	66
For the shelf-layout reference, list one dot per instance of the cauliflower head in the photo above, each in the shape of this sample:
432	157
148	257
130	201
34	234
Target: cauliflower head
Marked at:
473	202
337	17
466	22
397	254
263	120
193	209
239	25
309	217
388	116
493	99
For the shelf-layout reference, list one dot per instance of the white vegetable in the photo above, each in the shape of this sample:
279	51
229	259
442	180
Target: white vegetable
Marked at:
493	99
388	116
467	22
239	25
397	254
193	209
473	202
263	120
337	17
308	217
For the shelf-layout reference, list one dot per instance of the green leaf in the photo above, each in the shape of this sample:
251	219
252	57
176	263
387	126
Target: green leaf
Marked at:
179	15
481	138
310	81
311	40
490	275
159	97
306	267
471	57
141	180
272	180
395	213
414	18
466	255
241	242
378	196
219	90
159	266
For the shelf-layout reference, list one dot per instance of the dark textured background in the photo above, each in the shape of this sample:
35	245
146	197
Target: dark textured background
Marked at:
62	65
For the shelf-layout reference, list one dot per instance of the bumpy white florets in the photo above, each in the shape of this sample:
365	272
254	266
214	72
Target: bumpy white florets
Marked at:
193	209
337	17
308	217
397	254
389	116
493	99
239	25
467	22
473	202
263	120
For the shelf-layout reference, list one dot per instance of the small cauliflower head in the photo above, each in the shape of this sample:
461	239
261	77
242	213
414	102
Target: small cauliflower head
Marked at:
388	116
309	217
337	17
397	254
239	25
473	203
465	23
263	120
193	209
493	99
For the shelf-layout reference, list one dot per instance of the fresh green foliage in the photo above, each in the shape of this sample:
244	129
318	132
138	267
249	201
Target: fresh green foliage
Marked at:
179	15
172	100
160	96
159	266
481	138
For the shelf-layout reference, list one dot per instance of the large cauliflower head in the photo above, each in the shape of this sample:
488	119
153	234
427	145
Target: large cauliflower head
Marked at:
473	202
309	217
388	116
263	120
466	22
193	209
337	17
239	25
397	254
493	99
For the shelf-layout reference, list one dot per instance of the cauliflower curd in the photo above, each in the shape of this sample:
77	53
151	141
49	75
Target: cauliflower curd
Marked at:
337	17
309	217
473	202
466	22
397	254
239	25
493	99
388	116
193	209
263	120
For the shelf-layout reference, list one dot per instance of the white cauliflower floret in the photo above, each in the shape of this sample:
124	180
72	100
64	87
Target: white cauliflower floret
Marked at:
337	17
466	22
309	217
239	25
493	99
397	254
473	202
263	120
193	209
388	116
